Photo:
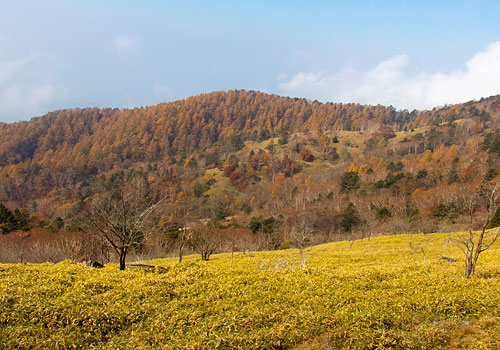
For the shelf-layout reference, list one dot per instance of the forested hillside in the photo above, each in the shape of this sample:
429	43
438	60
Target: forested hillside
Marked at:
258	162
63	147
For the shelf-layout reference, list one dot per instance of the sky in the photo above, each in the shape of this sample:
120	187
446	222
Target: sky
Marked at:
110	53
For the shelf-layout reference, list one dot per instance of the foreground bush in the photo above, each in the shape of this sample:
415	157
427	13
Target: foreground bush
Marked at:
388	292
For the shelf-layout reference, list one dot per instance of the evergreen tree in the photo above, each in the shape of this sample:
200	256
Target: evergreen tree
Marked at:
383	213
495	220
283	140
349	181
264	135
21	218
7	220
351	217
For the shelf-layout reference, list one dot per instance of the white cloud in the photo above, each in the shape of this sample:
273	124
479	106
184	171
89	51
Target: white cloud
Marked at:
392	83
25	90
125	43
164	92
18	99
282	76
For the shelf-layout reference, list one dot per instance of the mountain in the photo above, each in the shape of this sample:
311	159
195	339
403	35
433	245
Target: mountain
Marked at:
66	146
345	167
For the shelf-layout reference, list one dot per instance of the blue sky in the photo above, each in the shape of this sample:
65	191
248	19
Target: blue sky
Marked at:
411	54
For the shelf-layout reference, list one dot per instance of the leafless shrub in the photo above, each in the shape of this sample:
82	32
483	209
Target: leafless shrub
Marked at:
205	240
474	243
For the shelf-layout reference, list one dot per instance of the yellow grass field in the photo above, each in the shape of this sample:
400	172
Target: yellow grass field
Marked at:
383	293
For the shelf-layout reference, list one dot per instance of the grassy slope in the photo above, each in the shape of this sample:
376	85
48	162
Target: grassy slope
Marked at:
378	293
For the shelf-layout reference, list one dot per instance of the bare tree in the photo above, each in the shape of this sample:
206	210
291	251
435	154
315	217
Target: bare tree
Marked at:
301	239
160	239
183	208
205	239
475	242
232	241
183	239
121	216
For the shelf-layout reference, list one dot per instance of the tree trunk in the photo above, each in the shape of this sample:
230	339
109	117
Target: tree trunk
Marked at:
469	264
302	262
123	254
180	253
205	256
473	255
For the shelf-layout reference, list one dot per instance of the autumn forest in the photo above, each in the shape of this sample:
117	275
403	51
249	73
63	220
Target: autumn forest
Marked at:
249	170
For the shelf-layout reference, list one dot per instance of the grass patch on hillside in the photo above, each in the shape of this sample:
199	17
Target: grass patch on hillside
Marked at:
378	293
222	185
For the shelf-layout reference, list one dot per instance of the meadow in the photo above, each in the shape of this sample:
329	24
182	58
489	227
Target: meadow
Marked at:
383	293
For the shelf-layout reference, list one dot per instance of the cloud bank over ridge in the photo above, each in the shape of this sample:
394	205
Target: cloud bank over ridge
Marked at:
25	90
392	82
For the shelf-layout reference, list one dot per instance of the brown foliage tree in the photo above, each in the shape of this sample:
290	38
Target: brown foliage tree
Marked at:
306	155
